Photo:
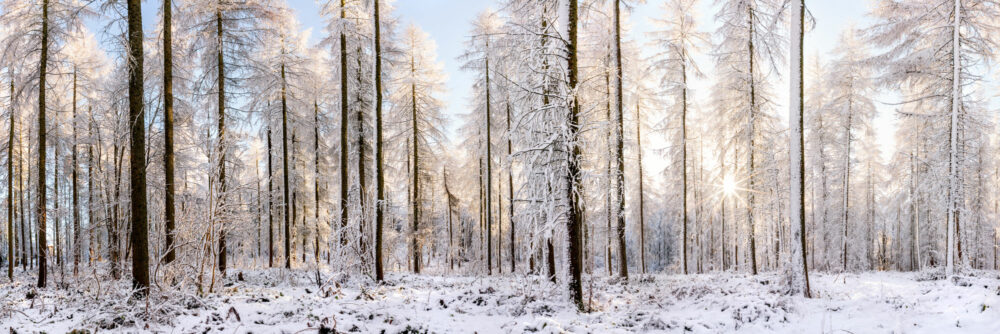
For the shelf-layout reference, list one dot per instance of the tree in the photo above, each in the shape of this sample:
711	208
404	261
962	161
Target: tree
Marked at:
477	58
750	44
797	280
137	153
416	105
945	48
168	133
680	39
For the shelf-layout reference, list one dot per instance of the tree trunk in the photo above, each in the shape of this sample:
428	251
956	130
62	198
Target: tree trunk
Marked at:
642	210
75	191
510	196
343	130
168	132
40	204
573	179
618	153
416	174
799	280
137	155
10	189
270	202
379	177
750	148
222	143
847	185
316	177
285	171
489	172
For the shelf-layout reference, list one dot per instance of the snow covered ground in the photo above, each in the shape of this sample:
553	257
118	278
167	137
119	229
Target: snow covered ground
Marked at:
274	301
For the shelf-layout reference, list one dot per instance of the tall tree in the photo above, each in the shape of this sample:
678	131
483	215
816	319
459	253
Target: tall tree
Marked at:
379	163
168	133
573	178
10	187
40	204
416	105
678	39
618	143
137	152
798	279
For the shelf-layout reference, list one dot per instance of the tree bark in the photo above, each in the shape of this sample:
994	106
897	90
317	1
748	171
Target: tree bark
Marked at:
40	204
285	171
379	177
573	179
75	191
168	132
343	129
137	155
10	189
221	76
489	171
618	153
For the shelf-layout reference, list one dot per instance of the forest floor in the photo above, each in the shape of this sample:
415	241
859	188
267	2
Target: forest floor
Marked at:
278	301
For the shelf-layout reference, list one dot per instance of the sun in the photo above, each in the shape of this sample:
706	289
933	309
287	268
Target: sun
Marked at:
729	185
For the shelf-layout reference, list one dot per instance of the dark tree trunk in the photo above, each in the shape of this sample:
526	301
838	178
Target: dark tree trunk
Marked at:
489	172
619	155
510	196
416	173
168	132
379	177
573	179
137	157
75	191
221	76
270	202
343	130
316	177
285	171
40	204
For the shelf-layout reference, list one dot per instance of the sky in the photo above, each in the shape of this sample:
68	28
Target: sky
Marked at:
448	23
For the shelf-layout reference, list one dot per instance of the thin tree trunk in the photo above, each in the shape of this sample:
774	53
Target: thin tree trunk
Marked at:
847	185
285	171
222	144
40	204
10	189
75	191
168	132
137	156
379	177
343	130
316	177
510	196
575	216
618	153
489	172
750	147
642	209
416	172
270	202
684	178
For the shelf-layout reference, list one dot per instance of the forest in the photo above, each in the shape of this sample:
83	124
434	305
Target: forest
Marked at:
202	166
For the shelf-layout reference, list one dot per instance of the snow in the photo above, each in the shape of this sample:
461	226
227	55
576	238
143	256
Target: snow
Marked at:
279	301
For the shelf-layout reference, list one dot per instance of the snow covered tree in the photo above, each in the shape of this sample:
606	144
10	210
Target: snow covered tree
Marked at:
750	48
416	105
932	48
678	40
